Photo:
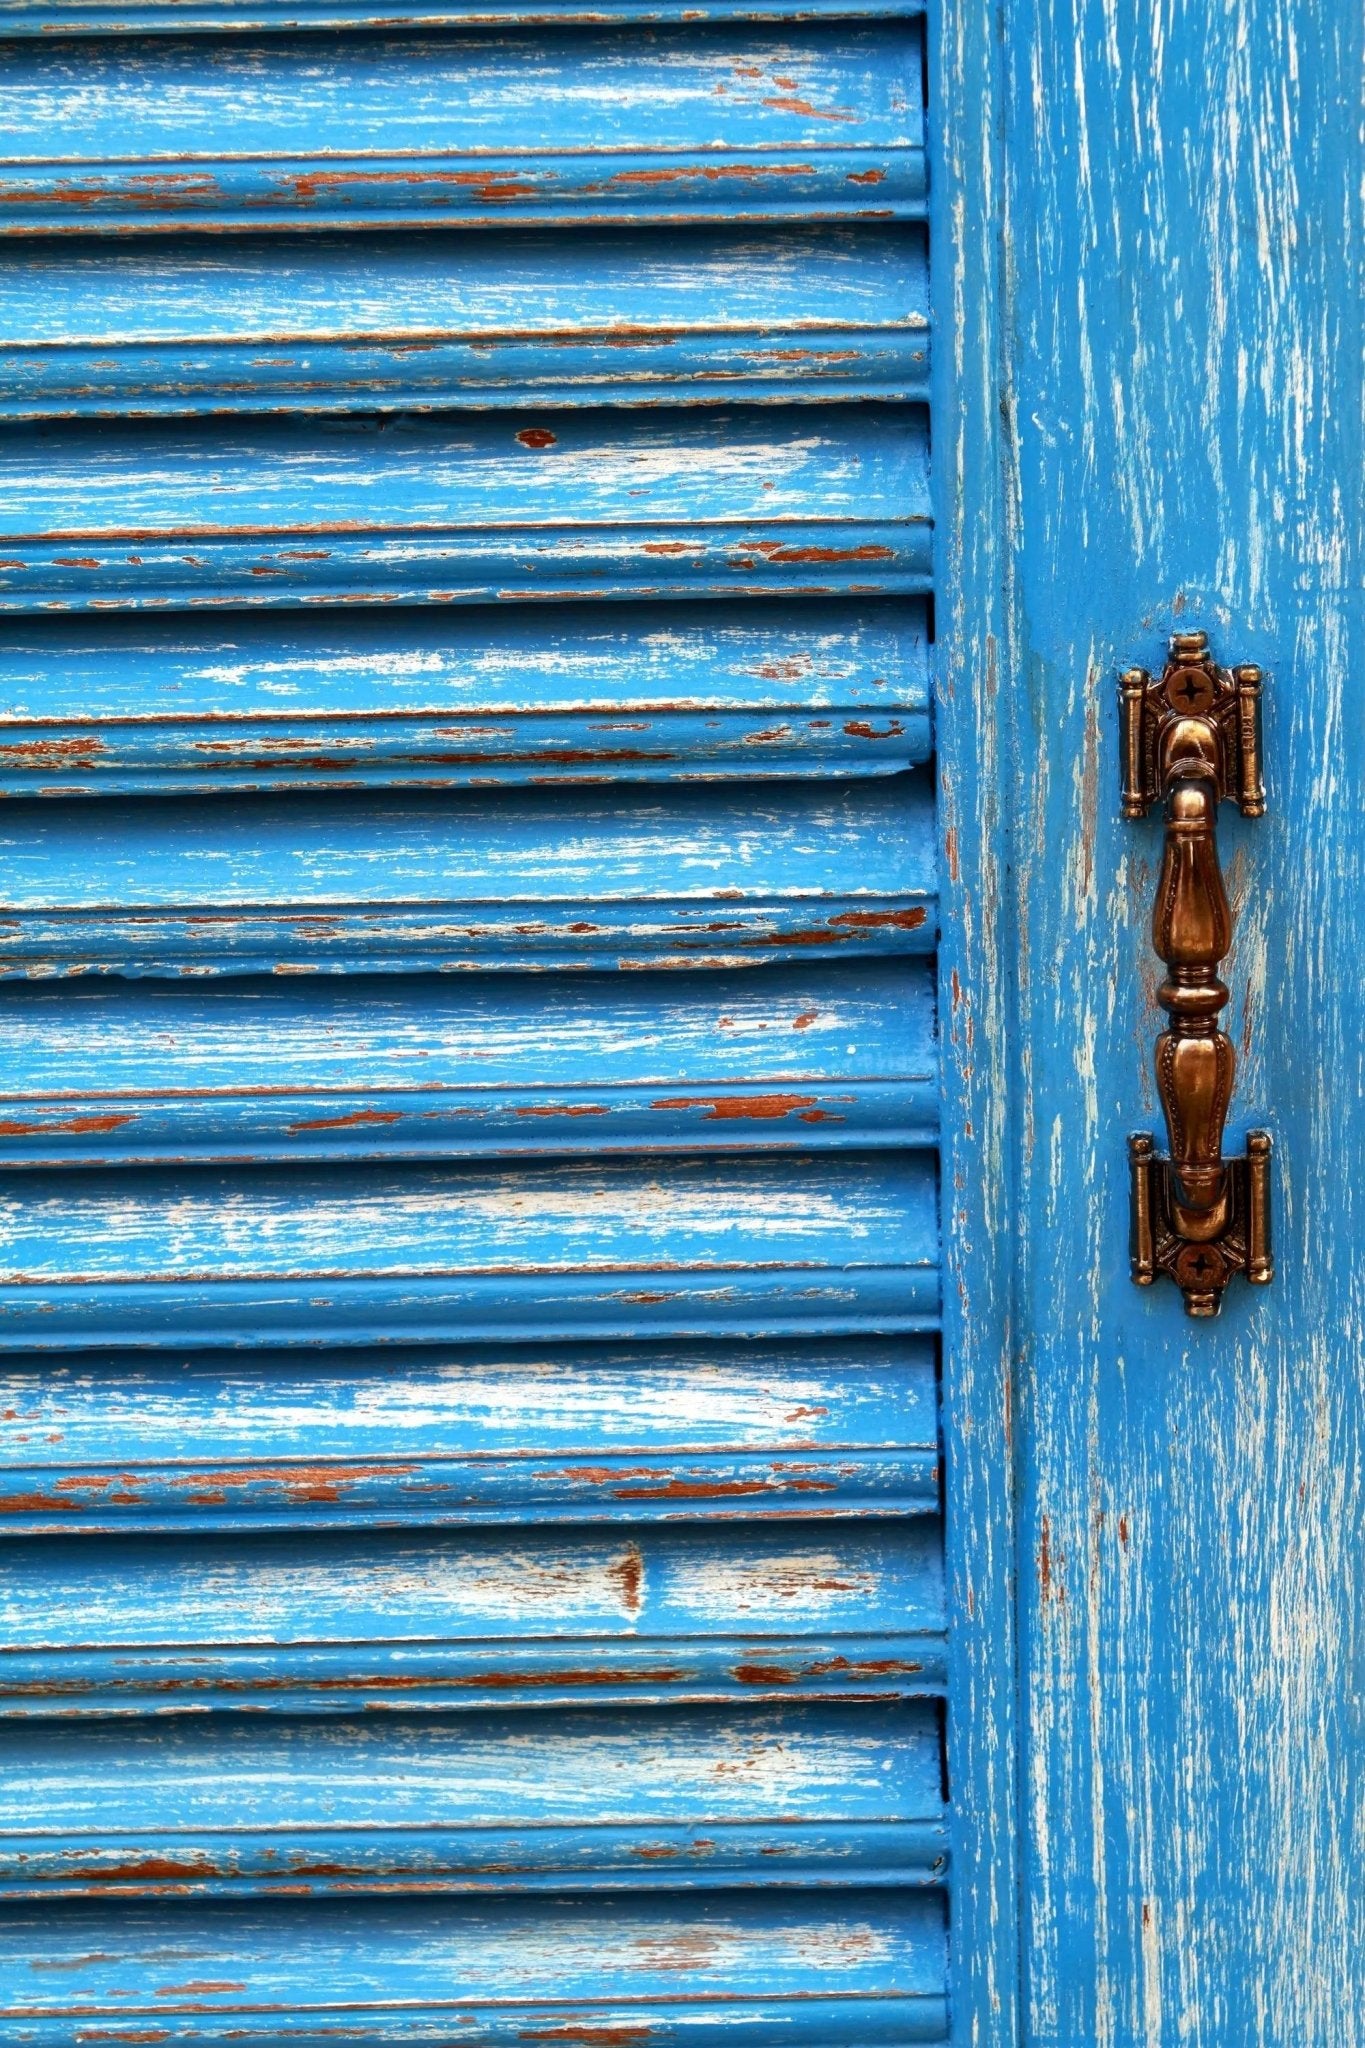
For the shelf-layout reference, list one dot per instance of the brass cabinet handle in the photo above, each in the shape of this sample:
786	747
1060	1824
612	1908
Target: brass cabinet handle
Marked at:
1191	738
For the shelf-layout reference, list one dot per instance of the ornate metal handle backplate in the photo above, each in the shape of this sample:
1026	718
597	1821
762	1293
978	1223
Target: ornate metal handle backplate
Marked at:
1191	738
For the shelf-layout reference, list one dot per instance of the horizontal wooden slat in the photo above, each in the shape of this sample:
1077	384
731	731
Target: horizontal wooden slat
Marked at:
823	1795
610	693
175	17
736	1971
495	879
685	503
354	322
331	1623
127	1440
778	1058
367	1254
672	124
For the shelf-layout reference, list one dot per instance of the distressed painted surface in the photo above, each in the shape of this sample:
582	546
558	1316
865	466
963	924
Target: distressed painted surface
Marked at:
617	693
478	1802
293	1255
695	503
351	321
854	1972
401	1620
110	17
785	1058
980	781
1187	249
805	123
715	877
386	1518
209	1440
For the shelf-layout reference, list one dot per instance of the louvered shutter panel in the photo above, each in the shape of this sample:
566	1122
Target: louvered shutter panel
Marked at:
468	1234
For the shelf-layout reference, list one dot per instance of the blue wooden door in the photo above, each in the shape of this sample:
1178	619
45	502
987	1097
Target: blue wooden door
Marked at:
1158	428
469	1255
478	529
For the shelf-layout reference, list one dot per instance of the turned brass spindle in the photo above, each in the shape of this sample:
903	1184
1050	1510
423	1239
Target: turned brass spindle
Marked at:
1190	739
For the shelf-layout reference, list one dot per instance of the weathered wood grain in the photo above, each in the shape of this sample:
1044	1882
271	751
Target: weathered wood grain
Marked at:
806	122
366	1255
1186	251
980	781
856	1971
685	1799
774	1059
683	878
402	1437
352	322
402	1620
487	507
175	17
603	693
